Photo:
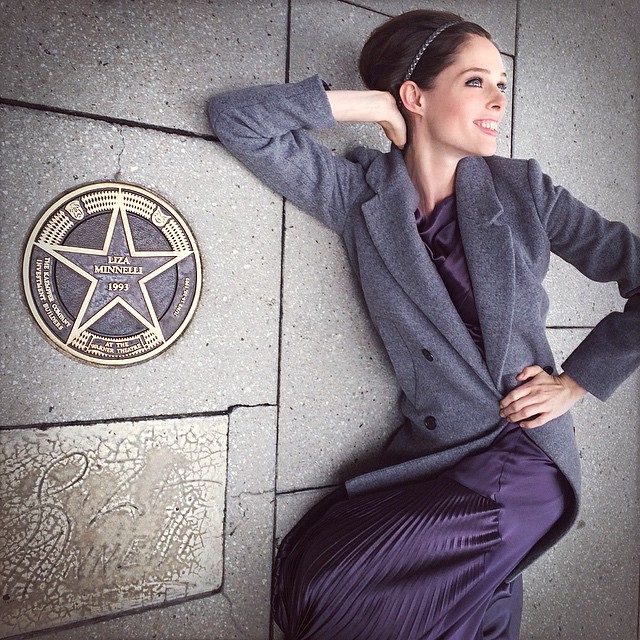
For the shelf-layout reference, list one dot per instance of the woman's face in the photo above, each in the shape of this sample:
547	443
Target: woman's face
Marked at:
466	104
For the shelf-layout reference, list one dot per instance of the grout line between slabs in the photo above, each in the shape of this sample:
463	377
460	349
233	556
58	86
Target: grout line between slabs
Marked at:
134	124
287	72
515	76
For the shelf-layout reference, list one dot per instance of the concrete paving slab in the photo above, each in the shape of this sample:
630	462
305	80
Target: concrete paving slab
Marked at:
570	72
240	610
575	300
227	355
98	519
337	388
343	29
498	18
149	61
338	401
587	586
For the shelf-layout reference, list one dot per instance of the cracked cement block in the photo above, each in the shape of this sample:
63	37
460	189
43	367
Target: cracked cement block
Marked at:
587	586
240	609
338	394
228	354
572	66
147	61
99	519
326	38
497	17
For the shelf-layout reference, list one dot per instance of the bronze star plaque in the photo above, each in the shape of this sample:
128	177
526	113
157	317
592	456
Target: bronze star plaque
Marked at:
112	273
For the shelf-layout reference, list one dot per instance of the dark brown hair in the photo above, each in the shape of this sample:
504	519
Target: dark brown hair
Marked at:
391	47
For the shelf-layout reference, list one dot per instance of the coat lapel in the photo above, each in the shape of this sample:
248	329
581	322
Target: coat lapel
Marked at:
488	246
390	220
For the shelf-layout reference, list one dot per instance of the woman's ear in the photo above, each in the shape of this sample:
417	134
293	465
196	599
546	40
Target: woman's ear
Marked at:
412	97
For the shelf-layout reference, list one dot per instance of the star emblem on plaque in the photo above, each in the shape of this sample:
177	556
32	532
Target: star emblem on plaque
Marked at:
112	273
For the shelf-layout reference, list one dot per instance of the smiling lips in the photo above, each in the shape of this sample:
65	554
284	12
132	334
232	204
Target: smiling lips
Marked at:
490	127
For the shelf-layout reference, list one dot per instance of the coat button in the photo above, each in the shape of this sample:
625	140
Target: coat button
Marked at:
427	355
430	423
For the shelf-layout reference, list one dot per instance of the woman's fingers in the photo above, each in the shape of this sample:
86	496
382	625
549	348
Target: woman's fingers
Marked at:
540	399
537	420
533	398
395	129
529	372
514	397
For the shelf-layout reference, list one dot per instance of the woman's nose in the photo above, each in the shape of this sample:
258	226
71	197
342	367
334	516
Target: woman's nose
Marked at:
499	101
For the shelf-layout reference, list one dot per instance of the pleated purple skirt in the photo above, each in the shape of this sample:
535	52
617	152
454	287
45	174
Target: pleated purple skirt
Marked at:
423	561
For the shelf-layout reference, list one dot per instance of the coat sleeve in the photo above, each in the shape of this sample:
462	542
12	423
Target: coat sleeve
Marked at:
266	128
604	251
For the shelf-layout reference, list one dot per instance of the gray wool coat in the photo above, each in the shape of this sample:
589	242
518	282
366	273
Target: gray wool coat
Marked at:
511	217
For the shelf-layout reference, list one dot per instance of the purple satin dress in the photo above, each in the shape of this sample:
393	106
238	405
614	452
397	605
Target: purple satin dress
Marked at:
428	560
441	237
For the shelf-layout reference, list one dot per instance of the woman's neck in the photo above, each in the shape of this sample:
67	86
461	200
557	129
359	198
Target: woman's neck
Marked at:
433	177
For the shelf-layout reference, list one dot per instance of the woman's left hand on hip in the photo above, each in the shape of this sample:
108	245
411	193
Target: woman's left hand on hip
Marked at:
541	397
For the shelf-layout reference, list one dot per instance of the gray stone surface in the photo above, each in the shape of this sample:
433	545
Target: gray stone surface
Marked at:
569	73
338	396
576	94
576	111
335	57
147	61
497	17
587	586
240	610
98	519
227	356
337	389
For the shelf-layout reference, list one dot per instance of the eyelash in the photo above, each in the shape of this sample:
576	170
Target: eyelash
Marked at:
502	85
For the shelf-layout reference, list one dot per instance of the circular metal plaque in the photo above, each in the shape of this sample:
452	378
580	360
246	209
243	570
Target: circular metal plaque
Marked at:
112	273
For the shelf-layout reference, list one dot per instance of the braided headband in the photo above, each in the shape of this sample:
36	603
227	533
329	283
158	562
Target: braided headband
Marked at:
423	48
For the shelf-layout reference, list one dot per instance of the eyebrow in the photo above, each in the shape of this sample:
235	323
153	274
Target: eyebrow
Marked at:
480	70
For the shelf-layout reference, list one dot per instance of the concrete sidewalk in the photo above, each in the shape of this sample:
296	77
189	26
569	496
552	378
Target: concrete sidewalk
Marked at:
147	501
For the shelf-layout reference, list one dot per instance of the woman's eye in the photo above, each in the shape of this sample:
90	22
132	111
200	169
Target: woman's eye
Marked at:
477	82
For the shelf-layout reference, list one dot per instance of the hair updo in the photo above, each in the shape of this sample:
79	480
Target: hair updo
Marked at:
391	47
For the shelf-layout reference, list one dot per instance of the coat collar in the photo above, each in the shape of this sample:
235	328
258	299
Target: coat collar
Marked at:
389	216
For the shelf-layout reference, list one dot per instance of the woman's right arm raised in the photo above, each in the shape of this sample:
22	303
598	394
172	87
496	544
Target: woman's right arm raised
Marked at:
264	127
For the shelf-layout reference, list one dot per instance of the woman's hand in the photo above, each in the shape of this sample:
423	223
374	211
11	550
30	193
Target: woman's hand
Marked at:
394	125
370	106
540	398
